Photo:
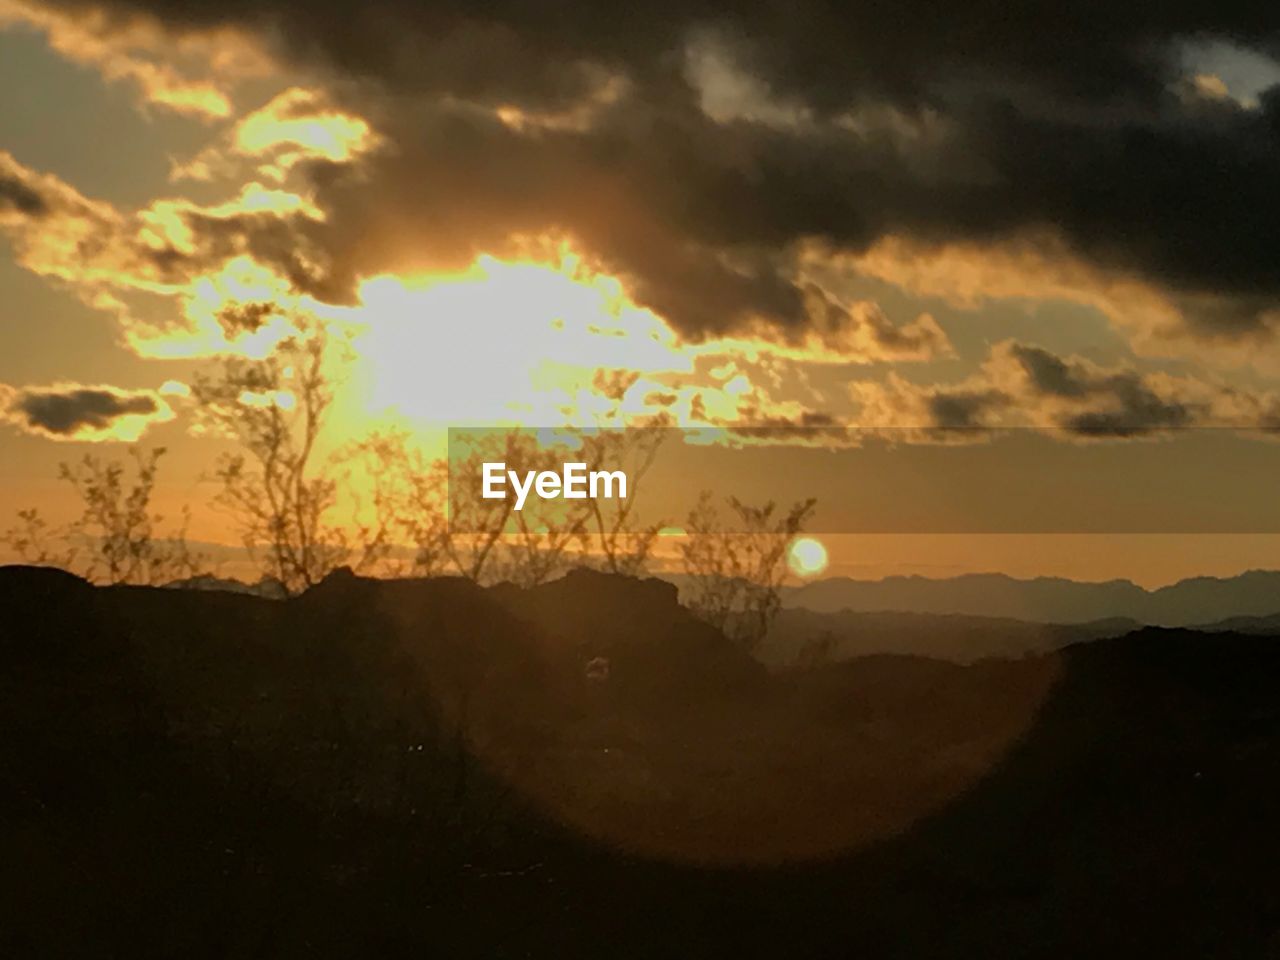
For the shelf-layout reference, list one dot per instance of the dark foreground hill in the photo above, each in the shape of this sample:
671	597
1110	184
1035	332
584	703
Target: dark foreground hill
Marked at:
581	770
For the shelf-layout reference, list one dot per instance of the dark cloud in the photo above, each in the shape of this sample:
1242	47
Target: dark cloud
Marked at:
1073	395
706	234
1134	408
963	409
79	412
974	122
1051	374
17	196
1148	415
809	427
1022	386
828	53
287	242
59	232
1131	405
238	319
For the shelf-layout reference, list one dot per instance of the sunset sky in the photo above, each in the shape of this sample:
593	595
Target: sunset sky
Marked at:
798	215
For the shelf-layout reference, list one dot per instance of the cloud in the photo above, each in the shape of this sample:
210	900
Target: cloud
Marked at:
134	51
840	333
26	195
1038	266
1021	386
811	52
85	413
296	125
1092	402
962	409
863	333
695	149
19	199
171	249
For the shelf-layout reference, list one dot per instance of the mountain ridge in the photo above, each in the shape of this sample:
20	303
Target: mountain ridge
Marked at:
1191	602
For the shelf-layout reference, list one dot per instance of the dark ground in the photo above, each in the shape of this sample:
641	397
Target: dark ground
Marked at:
432	769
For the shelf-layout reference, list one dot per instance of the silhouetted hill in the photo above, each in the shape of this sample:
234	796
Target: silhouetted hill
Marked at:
428	768
263	588
1258	626
1050	599
798	635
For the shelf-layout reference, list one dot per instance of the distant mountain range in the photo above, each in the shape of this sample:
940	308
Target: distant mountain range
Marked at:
1195	602
800	636
970	618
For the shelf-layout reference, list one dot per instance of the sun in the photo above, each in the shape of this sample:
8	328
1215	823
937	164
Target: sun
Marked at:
505	341
807	557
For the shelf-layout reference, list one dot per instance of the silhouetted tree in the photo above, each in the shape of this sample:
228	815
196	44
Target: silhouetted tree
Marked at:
400	523
614	539
278	489
736	570
37	543
436	507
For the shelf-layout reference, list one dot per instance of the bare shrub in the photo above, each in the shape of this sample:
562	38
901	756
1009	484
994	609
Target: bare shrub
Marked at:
434	509
736	569
277	488
115	539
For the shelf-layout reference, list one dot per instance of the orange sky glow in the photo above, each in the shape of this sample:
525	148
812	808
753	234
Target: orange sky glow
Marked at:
208	222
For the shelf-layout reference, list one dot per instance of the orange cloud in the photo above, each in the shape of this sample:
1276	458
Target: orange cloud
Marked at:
1021	385
858	333
1039	266
260	244
294	126
140	53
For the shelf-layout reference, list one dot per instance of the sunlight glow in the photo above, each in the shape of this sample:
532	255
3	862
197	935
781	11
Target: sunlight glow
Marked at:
505	342
298	125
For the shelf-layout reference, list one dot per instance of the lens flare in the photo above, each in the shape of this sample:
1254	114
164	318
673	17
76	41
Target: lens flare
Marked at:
807	557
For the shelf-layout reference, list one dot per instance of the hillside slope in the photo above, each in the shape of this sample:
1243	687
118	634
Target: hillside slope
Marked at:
427	767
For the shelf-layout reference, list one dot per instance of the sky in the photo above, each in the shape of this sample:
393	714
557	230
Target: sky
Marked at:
1058	224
